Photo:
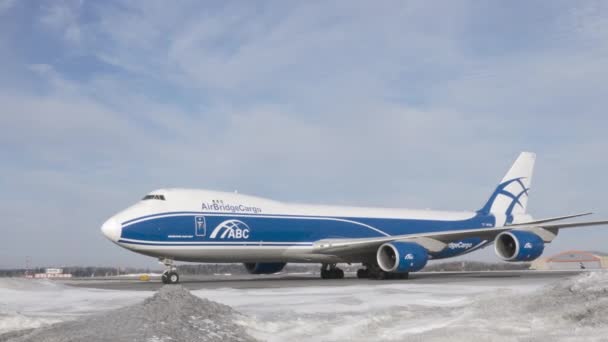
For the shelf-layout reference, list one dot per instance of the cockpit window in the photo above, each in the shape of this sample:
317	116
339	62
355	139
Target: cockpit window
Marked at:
156	197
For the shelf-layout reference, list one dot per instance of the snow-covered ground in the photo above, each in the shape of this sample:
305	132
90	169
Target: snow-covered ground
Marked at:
356	313
491	310
32	303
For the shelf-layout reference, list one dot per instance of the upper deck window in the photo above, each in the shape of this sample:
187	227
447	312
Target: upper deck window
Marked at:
156	197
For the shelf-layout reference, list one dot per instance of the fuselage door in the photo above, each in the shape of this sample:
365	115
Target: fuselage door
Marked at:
200	226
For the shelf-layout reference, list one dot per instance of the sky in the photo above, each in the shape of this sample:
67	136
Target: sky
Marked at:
411	104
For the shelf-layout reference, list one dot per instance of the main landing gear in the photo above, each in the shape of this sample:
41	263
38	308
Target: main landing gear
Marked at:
373	271
330	271
170	276
363	273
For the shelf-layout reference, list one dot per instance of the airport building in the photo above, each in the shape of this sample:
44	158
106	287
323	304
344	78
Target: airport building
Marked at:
571	260
53	273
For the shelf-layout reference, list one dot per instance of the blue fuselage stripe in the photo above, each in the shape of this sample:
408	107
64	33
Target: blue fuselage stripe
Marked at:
244	244
204	227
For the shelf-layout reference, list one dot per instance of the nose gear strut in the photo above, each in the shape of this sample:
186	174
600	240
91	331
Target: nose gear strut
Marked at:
170	276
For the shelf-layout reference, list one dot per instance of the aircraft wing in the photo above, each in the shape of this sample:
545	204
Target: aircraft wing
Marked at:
436	241
551	219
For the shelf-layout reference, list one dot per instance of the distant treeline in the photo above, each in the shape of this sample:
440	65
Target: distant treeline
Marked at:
76	271
203	269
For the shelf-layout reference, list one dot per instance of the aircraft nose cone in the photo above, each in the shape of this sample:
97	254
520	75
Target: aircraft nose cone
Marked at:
111	229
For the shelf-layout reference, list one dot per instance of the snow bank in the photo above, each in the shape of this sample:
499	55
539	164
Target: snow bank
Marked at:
499	309
575	309
369	312
172	314
33	303
582	300
485	309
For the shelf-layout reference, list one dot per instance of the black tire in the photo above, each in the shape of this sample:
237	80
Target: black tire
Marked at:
389	275
339	274
172	278
165	278
362	273
325	274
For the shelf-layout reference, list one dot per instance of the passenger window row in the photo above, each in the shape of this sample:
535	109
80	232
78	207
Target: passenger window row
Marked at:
156	197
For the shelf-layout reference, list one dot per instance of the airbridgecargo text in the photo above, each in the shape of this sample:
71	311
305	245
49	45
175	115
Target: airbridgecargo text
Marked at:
460	245
219	205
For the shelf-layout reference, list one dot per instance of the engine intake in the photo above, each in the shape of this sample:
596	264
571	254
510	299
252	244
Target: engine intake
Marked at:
401	257
518	245
264	268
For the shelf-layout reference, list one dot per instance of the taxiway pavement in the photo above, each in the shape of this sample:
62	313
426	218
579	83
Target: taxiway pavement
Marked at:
304	280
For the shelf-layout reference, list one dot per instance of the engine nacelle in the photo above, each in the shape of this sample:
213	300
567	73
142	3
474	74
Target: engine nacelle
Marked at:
401	257
518	245
264	267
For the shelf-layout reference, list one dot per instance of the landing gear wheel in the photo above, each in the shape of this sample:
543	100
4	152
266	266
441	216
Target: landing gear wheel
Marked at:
373	271
170	277
339	274
173	278
325	274
331	272
363	273
381	275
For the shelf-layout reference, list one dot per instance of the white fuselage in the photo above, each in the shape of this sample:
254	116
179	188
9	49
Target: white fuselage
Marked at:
211	226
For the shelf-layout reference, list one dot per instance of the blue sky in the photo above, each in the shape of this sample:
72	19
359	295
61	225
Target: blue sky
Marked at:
402	104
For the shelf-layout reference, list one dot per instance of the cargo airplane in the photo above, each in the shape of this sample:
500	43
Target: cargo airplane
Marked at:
263	234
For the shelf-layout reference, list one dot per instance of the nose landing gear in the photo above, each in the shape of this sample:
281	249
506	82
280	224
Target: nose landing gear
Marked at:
170	276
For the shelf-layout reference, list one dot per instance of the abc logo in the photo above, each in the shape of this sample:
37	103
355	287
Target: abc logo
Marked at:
238	234
231	229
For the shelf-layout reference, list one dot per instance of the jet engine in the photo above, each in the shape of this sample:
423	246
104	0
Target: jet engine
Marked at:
518	245
264	268
401	257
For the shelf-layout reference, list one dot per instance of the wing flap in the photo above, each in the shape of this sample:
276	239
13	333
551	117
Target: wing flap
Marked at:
430	244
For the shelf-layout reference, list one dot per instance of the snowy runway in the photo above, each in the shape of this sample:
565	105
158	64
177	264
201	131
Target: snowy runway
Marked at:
492	309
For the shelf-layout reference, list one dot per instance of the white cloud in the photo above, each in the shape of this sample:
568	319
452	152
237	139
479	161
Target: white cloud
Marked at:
63	16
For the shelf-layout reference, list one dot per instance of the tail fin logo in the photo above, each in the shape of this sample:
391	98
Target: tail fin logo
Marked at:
516	198
231	229
515	194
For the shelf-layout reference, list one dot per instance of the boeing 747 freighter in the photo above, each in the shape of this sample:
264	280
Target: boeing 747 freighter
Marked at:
264	235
